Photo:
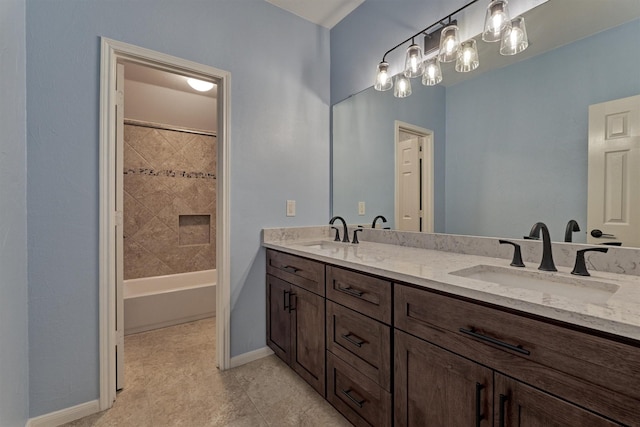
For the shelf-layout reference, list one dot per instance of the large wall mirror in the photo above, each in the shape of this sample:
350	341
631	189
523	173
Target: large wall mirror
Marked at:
510	140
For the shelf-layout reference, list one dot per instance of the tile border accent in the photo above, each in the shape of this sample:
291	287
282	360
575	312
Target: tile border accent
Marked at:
168	172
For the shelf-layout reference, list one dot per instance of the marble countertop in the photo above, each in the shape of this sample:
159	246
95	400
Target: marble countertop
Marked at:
617	314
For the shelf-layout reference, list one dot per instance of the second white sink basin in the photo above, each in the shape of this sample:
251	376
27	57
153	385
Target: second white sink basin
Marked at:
576	288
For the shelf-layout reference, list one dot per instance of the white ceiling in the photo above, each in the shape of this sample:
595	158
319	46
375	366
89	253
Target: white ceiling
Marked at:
326	13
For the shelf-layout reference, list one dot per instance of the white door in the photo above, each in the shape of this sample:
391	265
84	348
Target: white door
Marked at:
409	191
614	172
119	238
414	178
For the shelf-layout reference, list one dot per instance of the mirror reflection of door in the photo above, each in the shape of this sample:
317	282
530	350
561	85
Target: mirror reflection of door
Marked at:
613	213
414	178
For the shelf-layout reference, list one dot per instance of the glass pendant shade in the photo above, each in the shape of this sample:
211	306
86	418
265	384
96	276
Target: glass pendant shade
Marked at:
432	72
413	65
514	40
467	57
402	87
496	21
383	80
449	44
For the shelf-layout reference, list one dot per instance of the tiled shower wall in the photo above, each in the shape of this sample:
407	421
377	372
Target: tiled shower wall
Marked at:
169	202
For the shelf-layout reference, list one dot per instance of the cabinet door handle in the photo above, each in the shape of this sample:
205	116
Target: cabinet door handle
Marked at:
291	307
474	334
353	339
291	269
479	415
353	399
503	400
349	290
287	301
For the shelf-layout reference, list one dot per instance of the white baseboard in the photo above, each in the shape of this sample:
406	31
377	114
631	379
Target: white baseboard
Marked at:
250	356
63	416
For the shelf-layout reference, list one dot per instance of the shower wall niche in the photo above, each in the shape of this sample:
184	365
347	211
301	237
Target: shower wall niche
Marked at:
169	201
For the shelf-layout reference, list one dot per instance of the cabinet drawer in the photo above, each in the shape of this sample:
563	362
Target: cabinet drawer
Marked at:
365	294
585	368
303	272
359	399
360	341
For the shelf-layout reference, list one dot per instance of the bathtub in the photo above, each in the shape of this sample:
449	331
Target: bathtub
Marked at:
161	301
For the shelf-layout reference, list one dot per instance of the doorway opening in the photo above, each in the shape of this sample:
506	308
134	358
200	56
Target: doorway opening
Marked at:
176	152
413	178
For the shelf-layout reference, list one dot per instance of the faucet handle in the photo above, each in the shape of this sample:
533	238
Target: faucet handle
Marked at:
355	235
580	267
337	239
517	254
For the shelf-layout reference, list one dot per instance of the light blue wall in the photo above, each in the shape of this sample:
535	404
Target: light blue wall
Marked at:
14	368
279	150
520	156
363	150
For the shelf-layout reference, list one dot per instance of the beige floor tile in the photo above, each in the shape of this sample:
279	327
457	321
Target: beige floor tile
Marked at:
171	380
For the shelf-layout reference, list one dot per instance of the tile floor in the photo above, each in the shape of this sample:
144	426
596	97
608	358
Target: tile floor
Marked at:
171	380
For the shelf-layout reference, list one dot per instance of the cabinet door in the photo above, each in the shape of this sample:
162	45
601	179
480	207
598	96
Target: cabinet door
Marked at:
436	388
519	405
278	317
307	337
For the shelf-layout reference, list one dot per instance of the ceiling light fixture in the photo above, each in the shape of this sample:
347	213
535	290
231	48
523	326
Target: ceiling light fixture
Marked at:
422	63
200	85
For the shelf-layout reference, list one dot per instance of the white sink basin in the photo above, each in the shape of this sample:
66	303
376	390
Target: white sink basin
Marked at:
576	288
324	245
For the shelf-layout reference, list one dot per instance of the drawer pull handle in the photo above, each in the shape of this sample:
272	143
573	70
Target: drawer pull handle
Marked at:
353	399
479	415
503	400
353	339
290	269
474	334
287	301
349	290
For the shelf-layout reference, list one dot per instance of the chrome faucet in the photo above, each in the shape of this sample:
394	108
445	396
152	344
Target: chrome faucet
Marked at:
572	226
345	237
547	257
373	224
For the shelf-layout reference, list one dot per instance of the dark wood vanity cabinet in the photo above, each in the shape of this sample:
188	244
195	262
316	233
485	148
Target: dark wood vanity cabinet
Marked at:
434	387
296	315
359	346
544	373
518	404
406	355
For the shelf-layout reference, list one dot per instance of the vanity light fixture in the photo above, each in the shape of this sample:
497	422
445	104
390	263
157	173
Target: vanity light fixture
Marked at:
200	85
402	87
383	80
413	65
449	44
467	57
432	72
418	63
514	39
496	21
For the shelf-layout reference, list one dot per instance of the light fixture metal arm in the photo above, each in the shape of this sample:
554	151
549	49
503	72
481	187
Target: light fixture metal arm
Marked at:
440	21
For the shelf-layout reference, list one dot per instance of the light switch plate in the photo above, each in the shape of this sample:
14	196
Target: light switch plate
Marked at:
361	208
291	208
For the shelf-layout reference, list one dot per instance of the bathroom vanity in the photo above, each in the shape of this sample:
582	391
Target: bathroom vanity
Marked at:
395	335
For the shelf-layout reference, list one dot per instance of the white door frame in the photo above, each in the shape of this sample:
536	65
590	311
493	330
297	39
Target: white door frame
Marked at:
112	51
427	173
